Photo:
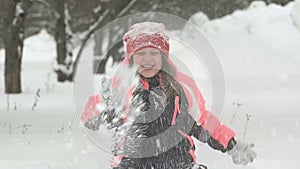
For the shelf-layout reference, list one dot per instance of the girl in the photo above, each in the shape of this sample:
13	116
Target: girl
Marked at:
160	138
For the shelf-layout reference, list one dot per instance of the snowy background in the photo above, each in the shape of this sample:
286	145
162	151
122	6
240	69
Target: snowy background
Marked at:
259	49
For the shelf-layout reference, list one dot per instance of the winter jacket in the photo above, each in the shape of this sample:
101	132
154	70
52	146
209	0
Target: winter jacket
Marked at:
160	138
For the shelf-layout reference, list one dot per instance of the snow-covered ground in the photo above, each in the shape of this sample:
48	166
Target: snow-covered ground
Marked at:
259	51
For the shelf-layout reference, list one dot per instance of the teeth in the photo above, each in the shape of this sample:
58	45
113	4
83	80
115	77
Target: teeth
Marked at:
147	66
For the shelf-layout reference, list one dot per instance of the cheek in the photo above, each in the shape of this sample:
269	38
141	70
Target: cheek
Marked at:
136	61
159	63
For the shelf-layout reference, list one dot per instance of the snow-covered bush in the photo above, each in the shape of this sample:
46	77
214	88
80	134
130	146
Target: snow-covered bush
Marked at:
296	14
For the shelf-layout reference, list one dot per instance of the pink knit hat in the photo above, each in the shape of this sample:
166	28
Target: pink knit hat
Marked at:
146	34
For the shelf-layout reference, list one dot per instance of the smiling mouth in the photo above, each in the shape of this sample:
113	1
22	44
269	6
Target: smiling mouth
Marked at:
147	66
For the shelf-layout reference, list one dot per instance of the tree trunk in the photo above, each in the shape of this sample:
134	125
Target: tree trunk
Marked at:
12	69
60	38
13	42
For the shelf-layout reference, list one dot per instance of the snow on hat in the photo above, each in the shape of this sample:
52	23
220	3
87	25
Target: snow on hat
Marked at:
146	34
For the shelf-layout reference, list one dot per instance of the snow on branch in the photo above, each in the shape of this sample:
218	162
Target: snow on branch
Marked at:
44	2
19	12
63	68
97	9
19	9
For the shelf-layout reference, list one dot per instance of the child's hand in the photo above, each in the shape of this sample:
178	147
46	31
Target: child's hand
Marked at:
242	153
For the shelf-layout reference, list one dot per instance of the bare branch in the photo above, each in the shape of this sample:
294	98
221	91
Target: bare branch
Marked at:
130	4
43	2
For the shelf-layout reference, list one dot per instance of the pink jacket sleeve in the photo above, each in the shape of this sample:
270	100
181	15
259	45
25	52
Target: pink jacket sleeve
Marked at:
90	109
203	117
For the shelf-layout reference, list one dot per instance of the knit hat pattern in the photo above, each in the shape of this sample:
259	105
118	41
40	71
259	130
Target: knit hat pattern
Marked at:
146	34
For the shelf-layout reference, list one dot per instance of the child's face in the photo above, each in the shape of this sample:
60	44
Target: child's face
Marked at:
149	61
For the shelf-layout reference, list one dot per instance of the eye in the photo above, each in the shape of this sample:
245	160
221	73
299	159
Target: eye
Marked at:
140	53
154	53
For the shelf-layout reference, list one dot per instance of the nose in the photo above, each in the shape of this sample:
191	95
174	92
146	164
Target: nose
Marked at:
147	57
